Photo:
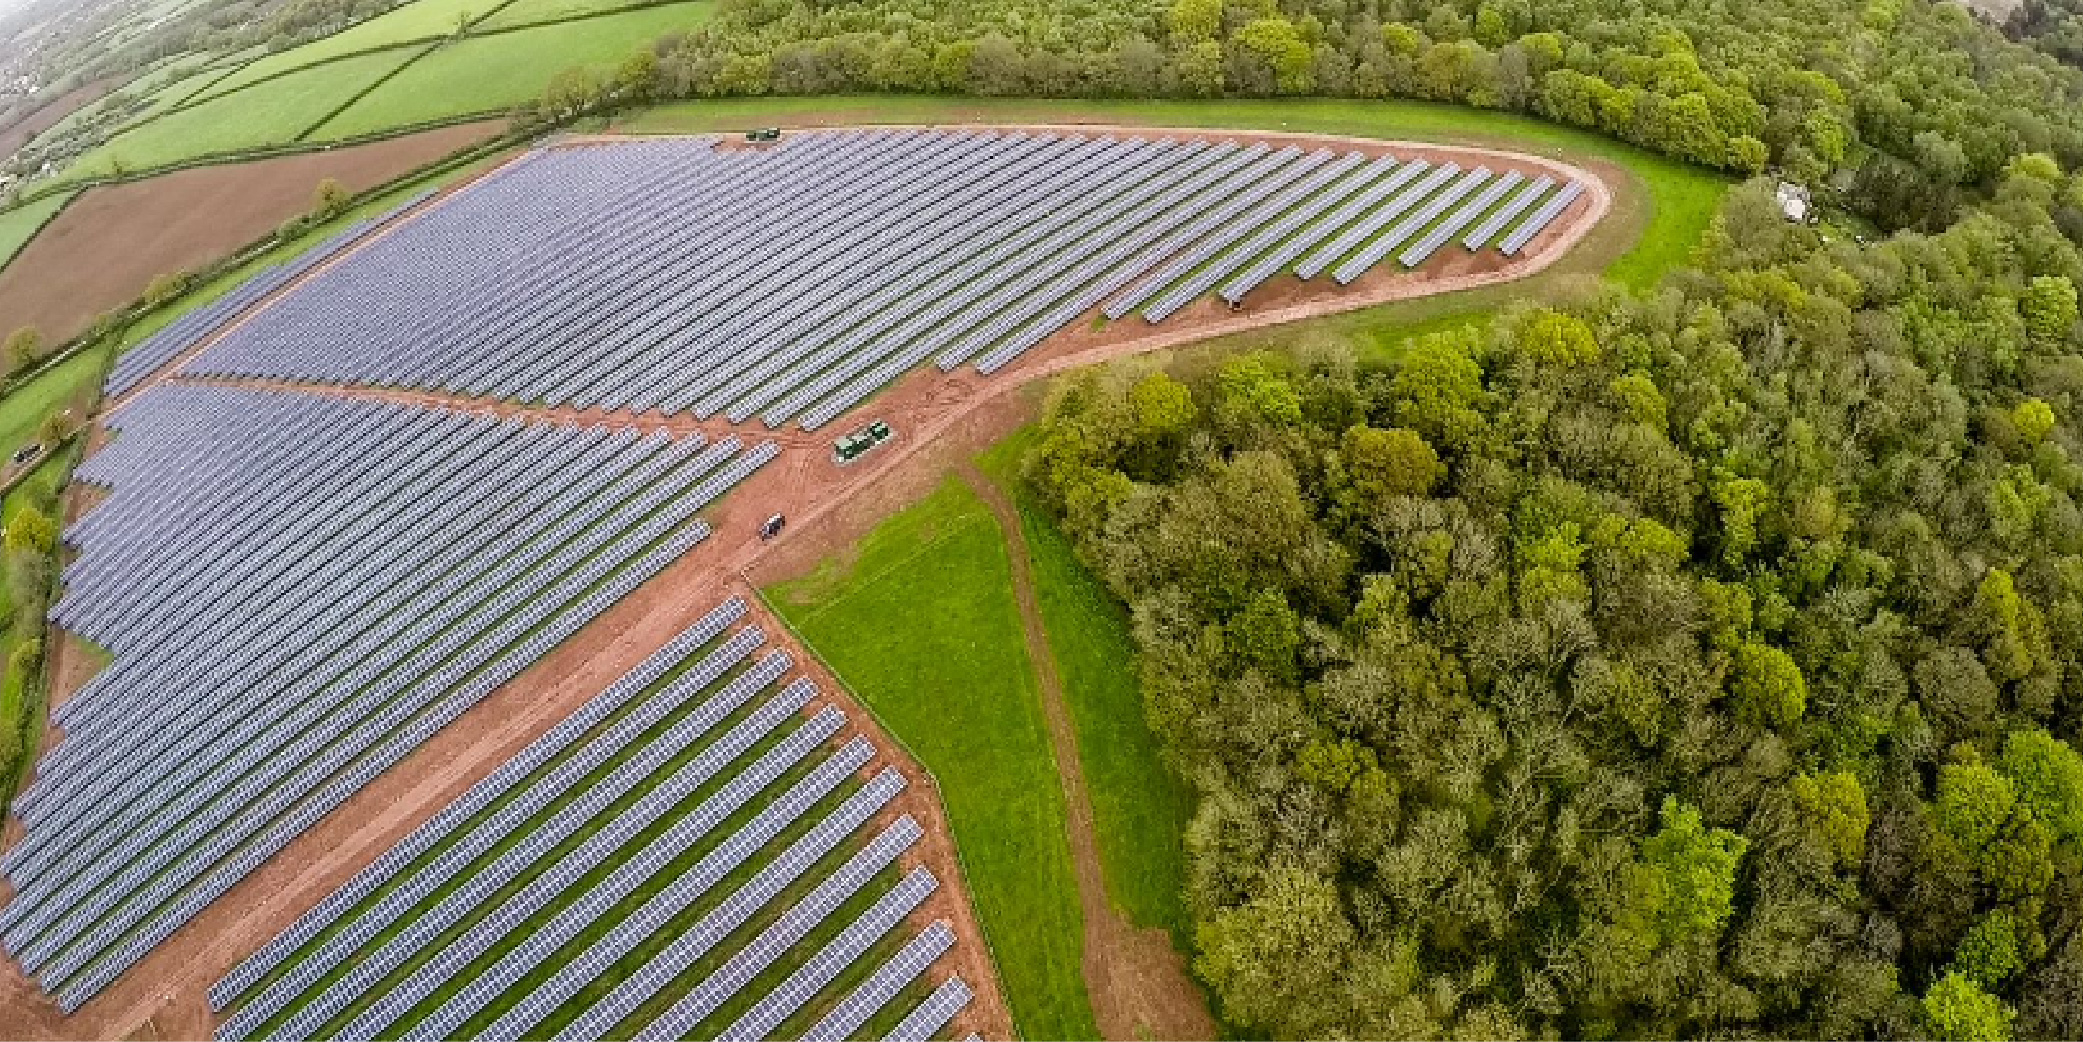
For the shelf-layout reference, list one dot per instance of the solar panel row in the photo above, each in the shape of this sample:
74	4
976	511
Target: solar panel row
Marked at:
789	283
337	634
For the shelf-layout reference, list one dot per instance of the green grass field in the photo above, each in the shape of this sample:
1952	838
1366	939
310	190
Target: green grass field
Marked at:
1139	806
498	72
275	113
19	225
62	386
416	21
919	620
534	12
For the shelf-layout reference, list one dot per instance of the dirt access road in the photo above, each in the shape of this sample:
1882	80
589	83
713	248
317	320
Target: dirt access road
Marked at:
943	419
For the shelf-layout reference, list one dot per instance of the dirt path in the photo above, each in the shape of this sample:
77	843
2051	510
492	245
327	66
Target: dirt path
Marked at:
1136	980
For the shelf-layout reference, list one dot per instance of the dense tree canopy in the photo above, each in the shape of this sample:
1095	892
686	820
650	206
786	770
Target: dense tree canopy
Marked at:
1899	105
1701	662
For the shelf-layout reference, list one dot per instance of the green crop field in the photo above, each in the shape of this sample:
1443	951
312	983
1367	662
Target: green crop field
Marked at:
919	620
273	114
416	21
497	72
19	225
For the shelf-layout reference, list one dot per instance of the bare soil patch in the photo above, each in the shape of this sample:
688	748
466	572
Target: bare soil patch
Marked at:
104	249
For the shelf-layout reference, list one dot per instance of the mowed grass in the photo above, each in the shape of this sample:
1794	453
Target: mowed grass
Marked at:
920	622
19	225
534	12
274	113
1140	807
66	385
416	21
498	72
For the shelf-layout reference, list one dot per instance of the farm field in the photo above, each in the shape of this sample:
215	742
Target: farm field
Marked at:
106	248
532	12
418	21
918	620
486	74
19	225
58	109
67	385
277	115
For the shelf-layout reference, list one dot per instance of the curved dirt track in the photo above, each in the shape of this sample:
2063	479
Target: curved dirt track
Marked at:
943	419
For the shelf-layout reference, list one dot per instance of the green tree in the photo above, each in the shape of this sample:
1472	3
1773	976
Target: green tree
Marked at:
329	199
1955	1009
24	346
1989	954
1194	22
1271	957
1768	686
1276	43
1695	872
2034	420
2049	309
2047	775
29	529
1834	806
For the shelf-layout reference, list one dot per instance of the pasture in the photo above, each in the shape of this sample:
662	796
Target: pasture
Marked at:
498	71
279	113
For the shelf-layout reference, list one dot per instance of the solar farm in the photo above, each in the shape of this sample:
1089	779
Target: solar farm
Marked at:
788	284
372	488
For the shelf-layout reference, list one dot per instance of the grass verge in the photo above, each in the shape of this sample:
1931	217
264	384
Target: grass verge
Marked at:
920	622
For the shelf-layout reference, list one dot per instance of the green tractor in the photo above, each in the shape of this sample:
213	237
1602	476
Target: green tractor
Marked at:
857	444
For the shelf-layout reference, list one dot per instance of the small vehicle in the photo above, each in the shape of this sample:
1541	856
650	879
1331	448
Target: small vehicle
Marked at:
857	444
763	135
772	527
27	452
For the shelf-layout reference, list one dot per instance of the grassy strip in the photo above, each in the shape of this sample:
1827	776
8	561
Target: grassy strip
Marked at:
20	225
1140	807
421	21
366	91
920	622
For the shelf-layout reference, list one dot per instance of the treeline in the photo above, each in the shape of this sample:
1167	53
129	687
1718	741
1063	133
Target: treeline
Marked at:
1902	109
2054	26
1702	663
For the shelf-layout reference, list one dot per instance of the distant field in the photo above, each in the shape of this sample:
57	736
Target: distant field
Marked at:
533	12
920	622
18	225
497	72
65	385
274	114
419	20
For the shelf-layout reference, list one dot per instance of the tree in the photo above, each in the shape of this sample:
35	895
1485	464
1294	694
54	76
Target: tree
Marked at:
1276	44
1834	806
1693	873
1194	22
1956	1009
32	531
2034	420
24	346
2049	308
1437	388
1199	68
2047	775
1271	958
165	287
329	199
1382	465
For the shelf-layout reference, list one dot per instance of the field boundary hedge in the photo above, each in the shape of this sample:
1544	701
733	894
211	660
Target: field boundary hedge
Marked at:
305	134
